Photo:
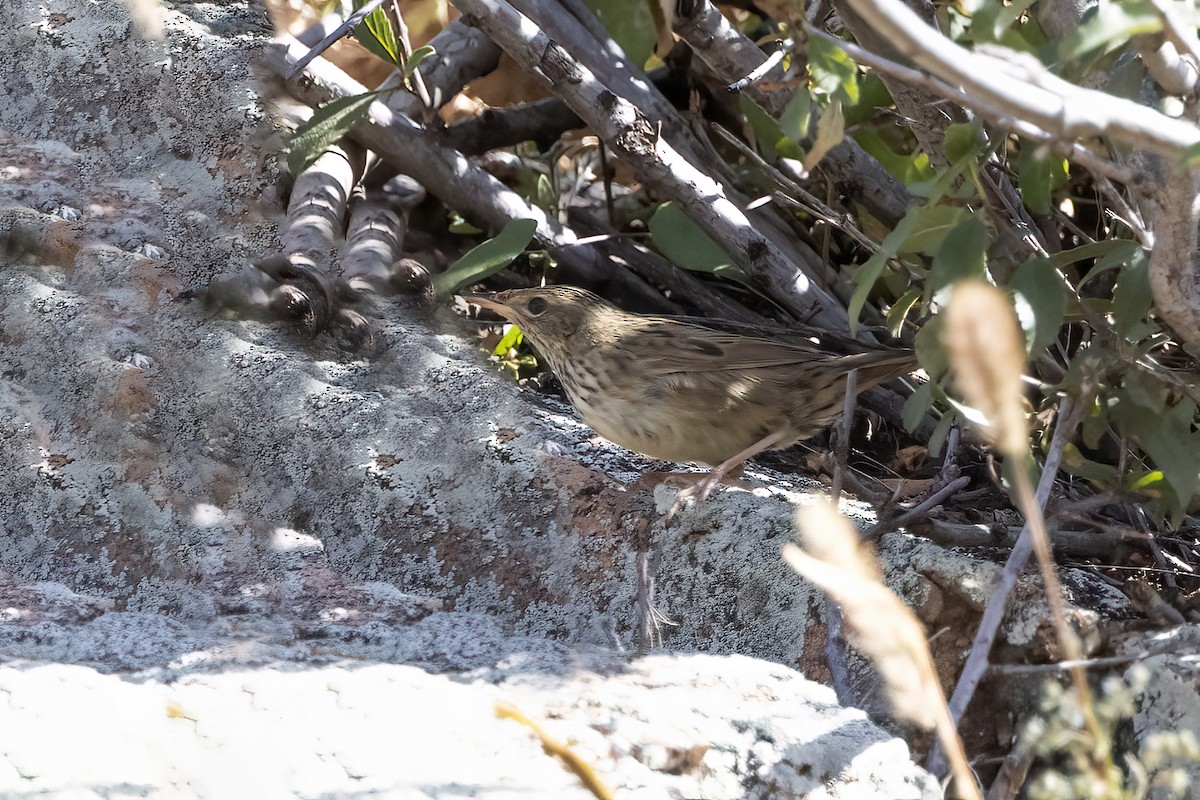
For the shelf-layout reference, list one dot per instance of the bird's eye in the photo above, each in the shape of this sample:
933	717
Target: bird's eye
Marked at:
537	306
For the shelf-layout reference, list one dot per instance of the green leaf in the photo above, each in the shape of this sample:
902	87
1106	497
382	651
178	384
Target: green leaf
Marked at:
832	71
511	339
1191	156
907	169
865	278
544	195
1169	440
766	130
964	140
872	95
915	406
1147	393
1041	302
414	61
1029	31
936	223
1038	178
831	129
1114	252
947	180
461	226
1132	298
899	310
970	413
993	20
488	258
683	241
328	124
796	116
376	34
869	272
1111	25
931	353
963	255
1095	424
630	24
1076	463
1141	481
940	432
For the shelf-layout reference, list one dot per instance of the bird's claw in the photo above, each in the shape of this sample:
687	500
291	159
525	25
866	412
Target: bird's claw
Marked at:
698	491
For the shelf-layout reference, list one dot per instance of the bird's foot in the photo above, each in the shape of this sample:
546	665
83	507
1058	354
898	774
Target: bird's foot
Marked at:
698	487
698	491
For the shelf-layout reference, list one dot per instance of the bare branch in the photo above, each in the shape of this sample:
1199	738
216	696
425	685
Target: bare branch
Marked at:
1021	87
1175	260
977	661
730	55
1179	33
460	184
918	511
375	233
348	26
634	137
461	54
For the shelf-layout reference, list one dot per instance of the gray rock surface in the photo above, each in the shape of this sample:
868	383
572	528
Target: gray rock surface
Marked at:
663	726
1166	725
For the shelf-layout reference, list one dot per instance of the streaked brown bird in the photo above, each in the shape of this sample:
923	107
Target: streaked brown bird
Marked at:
692	389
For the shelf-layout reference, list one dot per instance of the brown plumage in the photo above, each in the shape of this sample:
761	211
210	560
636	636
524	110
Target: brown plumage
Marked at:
689	389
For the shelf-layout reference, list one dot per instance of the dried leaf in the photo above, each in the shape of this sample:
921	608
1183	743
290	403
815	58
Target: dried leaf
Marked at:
882	627
987	355
831	129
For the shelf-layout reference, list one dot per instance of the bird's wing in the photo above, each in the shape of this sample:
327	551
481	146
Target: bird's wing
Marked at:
671	348
827	341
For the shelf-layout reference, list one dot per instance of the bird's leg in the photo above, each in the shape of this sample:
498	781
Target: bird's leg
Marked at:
727	468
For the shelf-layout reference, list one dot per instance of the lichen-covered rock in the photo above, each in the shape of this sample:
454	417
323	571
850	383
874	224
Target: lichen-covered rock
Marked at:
225	508
663	726
216	504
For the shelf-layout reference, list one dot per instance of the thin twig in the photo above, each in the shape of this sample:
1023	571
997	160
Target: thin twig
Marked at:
1011	776
416	80
950	469
1063	666
1021	87
1139	521
918	511
835	654
1068	640
759	72
976	665
1084	544
802	198
1181	34
606	174
1074	152
842	453
352	22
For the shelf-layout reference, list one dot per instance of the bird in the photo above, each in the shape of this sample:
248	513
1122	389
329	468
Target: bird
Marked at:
692	389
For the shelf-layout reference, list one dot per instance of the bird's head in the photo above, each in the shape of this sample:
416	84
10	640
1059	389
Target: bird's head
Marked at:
547	315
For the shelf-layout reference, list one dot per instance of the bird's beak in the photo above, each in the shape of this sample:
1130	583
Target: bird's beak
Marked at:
487	301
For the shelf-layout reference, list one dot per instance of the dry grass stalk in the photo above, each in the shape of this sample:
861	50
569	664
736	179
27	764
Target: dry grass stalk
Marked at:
987	357
552	747
881	625
987	353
